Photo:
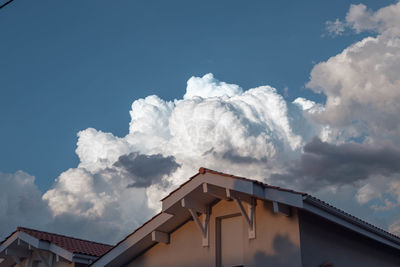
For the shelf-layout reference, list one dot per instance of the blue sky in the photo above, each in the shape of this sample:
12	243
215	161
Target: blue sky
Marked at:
69	65
75	81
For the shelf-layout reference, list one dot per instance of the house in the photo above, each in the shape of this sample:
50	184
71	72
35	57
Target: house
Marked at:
32	248
216	219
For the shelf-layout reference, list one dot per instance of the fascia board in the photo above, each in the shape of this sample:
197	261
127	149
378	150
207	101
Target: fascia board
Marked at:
181	192
8	242
133	239
348	222
61	252
247	187
43	245
34	242
288	198
243	186
82	258
235	184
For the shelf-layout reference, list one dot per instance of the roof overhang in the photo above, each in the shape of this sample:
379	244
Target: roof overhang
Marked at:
208	187
350	222
203	189
21	243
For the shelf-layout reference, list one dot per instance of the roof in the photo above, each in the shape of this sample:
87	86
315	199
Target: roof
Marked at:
71	244
306	196
353	218
203	170
139	240
23	241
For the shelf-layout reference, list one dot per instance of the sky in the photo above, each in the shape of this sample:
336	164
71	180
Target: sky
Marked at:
93	94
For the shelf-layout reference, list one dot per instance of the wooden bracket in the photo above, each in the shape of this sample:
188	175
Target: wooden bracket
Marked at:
218	192
281	208
193	205
17	252
160	237
17	261
203	223
43	260
248	214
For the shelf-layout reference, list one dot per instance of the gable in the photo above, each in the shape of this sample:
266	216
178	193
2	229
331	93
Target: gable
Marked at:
37	246
277	240
193	200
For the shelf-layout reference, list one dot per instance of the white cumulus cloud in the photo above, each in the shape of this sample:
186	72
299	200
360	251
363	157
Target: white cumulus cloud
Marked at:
216	124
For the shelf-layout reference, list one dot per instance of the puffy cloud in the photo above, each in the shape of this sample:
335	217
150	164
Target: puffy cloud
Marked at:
323	164
362	88
208	86
101	201
146	170
361	83
355	154
359	18
98	150
120	180
385	20
74	192
20	202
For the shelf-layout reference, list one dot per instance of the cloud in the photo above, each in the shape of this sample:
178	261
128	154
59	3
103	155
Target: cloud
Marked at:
335	27
20	202
359	18
208	86
97	150
75	192
101	199
394	228
255	133
146	170
362	88
215	125
367	193
120	180
323	164
361	83
385	20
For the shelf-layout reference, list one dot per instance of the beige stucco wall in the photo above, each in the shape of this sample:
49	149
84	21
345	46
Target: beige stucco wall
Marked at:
277	241
323	241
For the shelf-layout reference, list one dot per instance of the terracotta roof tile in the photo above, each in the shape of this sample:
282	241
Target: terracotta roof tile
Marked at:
71	244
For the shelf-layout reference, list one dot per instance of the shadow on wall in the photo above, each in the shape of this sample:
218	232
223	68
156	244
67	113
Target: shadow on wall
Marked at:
286	254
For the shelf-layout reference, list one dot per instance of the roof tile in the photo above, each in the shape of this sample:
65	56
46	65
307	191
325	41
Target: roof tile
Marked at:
71	244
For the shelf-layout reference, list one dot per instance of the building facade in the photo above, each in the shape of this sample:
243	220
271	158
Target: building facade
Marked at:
216	219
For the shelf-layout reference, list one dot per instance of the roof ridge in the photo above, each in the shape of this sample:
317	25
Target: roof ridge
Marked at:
21	228
203	170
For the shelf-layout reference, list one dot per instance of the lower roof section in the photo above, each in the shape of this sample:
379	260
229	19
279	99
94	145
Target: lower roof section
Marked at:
24	240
